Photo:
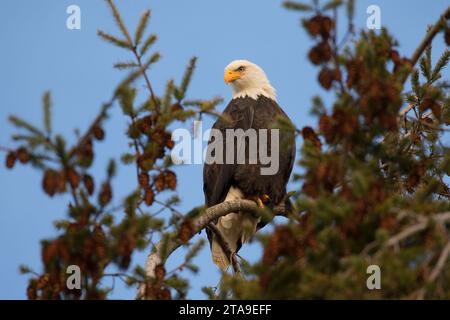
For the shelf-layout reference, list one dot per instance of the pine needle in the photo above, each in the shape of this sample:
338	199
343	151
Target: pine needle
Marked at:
114	40
291	5
20	123
120	23
125	65
46	105
181	92
141	27
148	43
442	62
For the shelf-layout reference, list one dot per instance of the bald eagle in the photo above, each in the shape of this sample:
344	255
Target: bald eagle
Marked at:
253	106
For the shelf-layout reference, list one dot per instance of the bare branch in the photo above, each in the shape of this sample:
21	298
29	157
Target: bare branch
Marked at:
439	218
407	232
420	294
169	243
440	264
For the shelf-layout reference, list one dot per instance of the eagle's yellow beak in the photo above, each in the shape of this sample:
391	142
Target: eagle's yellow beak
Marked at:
230	75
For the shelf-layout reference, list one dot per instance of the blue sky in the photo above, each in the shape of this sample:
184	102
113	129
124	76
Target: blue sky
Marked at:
39	53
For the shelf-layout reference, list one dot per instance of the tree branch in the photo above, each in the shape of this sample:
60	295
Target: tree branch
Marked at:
170	242
440	264
406	110
98	119
147	80
436	270
439	218
407	232
437	27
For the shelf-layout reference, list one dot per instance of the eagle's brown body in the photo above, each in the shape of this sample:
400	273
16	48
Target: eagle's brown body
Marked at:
223	182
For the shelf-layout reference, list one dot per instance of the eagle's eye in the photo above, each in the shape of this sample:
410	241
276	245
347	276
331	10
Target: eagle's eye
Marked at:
241	68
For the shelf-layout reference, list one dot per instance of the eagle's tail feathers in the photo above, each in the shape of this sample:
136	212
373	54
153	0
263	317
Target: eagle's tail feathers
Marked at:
218	256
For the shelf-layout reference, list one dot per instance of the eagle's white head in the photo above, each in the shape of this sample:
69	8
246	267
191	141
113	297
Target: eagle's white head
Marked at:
248	79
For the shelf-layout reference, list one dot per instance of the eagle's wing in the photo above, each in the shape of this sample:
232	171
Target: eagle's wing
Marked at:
287	159
217	178
287	150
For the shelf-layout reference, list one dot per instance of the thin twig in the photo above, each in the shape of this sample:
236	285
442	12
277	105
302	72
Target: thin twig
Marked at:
406	109
428	125
147	80
100	117
168	206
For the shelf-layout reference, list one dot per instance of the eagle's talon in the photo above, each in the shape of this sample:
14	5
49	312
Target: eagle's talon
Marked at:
259	201
265	198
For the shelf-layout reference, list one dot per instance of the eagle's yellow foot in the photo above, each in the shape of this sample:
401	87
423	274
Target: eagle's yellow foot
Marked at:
260	201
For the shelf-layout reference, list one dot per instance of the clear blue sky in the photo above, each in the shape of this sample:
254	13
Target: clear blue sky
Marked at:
39	53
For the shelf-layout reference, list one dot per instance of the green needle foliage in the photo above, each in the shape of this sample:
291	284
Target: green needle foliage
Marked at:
373	175
374	179
95	235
